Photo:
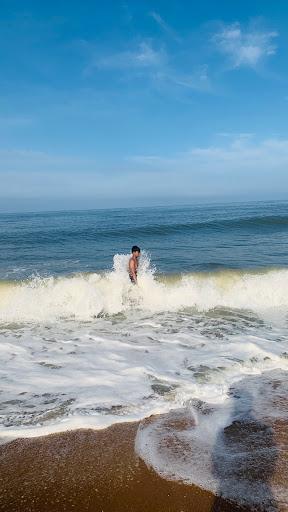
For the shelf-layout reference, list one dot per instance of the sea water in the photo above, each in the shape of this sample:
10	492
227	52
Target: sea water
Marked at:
83	347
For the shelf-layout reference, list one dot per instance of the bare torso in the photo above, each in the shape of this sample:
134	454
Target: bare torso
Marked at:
133	266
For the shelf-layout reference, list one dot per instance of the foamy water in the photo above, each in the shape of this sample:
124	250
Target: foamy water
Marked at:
84	297
237	449
93	349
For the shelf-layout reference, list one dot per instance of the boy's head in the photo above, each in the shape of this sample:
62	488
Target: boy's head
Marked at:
136	251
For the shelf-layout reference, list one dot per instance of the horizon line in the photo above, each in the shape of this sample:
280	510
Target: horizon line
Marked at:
202	202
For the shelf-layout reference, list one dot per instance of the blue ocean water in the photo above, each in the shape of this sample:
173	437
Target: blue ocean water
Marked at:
179	239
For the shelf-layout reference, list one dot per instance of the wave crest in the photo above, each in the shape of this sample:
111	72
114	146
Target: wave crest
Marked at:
85	296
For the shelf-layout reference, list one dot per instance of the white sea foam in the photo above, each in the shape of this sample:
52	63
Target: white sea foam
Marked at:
86	296
234	449
90	350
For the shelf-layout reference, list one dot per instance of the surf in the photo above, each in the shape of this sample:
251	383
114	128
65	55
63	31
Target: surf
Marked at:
88	296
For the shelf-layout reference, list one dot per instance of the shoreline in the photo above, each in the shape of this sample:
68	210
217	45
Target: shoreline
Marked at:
89	471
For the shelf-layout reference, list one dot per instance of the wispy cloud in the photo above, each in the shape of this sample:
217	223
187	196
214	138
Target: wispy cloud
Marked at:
197	80
154	63
245	46
241	153
239	166
164	26
127	15
235	152
143	56
176	69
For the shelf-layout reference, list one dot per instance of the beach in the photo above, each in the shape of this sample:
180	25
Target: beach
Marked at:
169	395
152	465
88	470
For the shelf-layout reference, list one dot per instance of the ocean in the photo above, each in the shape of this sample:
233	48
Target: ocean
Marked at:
206	325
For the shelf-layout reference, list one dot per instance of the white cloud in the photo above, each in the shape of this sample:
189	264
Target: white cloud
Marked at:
245	47
164	26
241	154
163	70
144	56
152	63
197	80
241	168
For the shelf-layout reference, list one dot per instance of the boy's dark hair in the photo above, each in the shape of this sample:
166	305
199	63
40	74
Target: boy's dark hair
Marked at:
135	248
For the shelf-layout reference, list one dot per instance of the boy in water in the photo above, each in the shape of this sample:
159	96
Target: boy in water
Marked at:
133	264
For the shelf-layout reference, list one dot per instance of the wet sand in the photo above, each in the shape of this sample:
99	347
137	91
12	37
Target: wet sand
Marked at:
95	471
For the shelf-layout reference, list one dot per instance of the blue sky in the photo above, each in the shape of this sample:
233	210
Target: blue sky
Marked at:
142	102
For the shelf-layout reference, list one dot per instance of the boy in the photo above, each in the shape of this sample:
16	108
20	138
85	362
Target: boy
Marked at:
133	264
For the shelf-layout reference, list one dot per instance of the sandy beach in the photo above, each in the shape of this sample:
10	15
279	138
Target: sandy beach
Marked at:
88	470
154	464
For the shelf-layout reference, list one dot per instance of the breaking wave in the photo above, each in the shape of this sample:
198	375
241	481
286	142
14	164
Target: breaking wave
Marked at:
86	296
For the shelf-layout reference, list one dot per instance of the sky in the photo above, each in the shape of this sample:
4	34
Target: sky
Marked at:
131	103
